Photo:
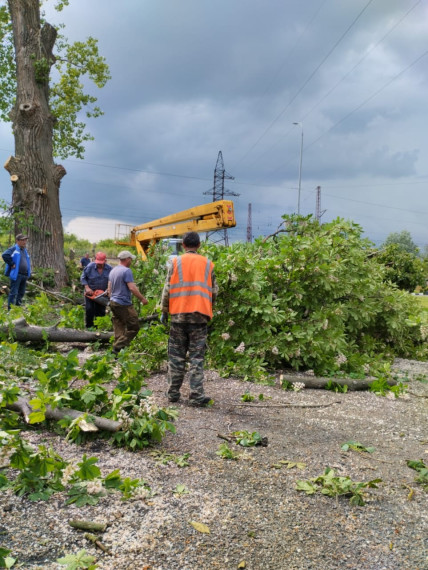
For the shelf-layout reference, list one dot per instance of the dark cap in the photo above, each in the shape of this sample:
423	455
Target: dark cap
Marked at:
20	237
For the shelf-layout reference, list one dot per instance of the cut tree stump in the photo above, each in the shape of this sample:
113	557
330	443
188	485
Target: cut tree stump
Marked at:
22	406
23	332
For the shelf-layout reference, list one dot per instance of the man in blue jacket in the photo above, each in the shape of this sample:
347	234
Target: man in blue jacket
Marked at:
18	269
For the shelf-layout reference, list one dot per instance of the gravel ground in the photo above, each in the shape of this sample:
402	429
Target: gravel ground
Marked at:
256	518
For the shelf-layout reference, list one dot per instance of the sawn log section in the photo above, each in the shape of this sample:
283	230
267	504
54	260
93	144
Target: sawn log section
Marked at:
23	332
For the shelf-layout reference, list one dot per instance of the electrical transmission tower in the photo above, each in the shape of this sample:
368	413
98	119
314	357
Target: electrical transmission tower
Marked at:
218	193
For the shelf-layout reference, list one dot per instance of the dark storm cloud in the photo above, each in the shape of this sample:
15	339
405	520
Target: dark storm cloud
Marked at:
191	78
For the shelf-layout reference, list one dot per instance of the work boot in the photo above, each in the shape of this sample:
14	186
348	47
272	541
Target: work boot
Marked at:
203	403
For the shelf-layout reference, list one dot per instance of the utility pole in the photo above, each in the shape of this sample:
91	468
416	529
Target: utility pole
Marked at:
300	169
218	193
249	226
318	212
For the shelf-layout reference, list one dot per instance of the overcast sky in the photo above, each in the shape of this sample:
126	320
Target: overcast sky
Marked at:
191	78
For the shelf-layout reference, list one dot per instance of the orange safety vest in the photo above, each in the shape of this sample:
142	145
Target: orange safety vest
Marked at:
191	285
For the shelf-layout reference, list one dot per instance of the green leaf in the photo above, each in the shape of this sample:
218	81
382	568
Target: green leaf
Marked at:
88	470
4	481
37	417
41	495
306	486
356	446
77	561
357	500
113	480
416	465
5	560
181	490
9	561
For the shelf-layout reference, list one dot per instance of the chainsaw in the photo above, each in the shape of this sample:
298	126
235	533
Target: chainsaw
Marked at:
99	297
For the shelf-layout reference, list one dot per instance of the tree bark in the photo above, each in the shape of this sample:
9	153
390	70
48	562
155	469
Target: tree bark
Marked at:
35	177
23	332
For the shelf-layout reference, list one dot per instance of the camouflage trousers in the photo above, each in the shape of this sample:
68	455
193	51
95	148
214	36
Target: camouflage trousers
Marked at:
125	324
186	338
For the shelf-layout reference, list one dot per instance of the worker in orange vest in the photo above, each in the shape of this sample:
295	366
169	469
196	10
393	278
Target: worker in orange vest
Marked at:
188	296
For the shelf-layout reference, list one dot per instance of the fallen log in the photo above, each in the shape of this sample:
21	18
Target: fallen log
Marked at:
23	332
314	382
22	406
285	405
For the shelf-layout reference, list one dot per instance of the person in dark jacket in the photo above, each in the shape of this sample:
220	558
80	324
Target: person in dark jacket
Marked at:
18	269
95	278
85	261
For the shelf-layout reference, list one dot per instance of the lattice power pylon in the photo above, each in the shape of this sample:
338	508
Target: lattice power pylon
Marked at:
218	193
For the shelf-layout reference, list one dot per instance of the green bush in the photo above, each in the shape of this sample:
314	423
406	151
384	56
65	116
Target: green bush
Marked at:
310	297
404	269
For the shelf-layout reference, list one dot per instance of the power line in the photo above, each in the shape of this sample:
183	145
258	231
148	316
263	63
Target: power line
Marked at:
288	56
311	75
391	29
378	205
153	172
372	96
326	95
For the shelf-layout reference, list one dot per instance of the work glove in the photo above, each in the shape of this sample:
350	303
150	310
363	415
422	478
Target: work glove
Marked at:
164	319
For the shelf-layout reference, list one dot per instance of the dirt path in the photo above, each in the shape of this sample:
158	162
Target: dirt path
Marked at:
256	518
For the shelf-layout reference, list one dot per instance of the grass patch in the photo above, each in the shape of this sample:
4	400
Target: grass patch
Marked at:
423	299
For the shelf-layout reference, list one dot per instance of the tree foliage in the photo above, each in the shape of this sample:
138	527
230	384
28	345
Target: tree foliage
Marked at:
312	298
43	94
74	63
403	240
403	268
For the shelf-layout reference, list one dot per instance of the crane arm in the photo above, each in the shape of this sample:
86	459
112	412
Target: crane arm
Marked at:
203	218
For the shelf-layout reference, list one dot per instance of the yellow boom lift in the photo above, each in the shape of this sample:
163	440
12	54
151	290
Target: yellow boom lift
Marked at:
205	218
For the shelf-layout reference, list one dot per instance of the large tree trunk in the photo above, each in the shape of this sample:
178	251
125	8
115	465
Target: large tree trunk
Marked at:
34	175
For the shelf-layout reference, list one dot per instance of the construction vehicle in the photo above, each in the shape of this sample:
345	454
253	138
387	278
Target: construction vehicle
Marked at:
207	217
